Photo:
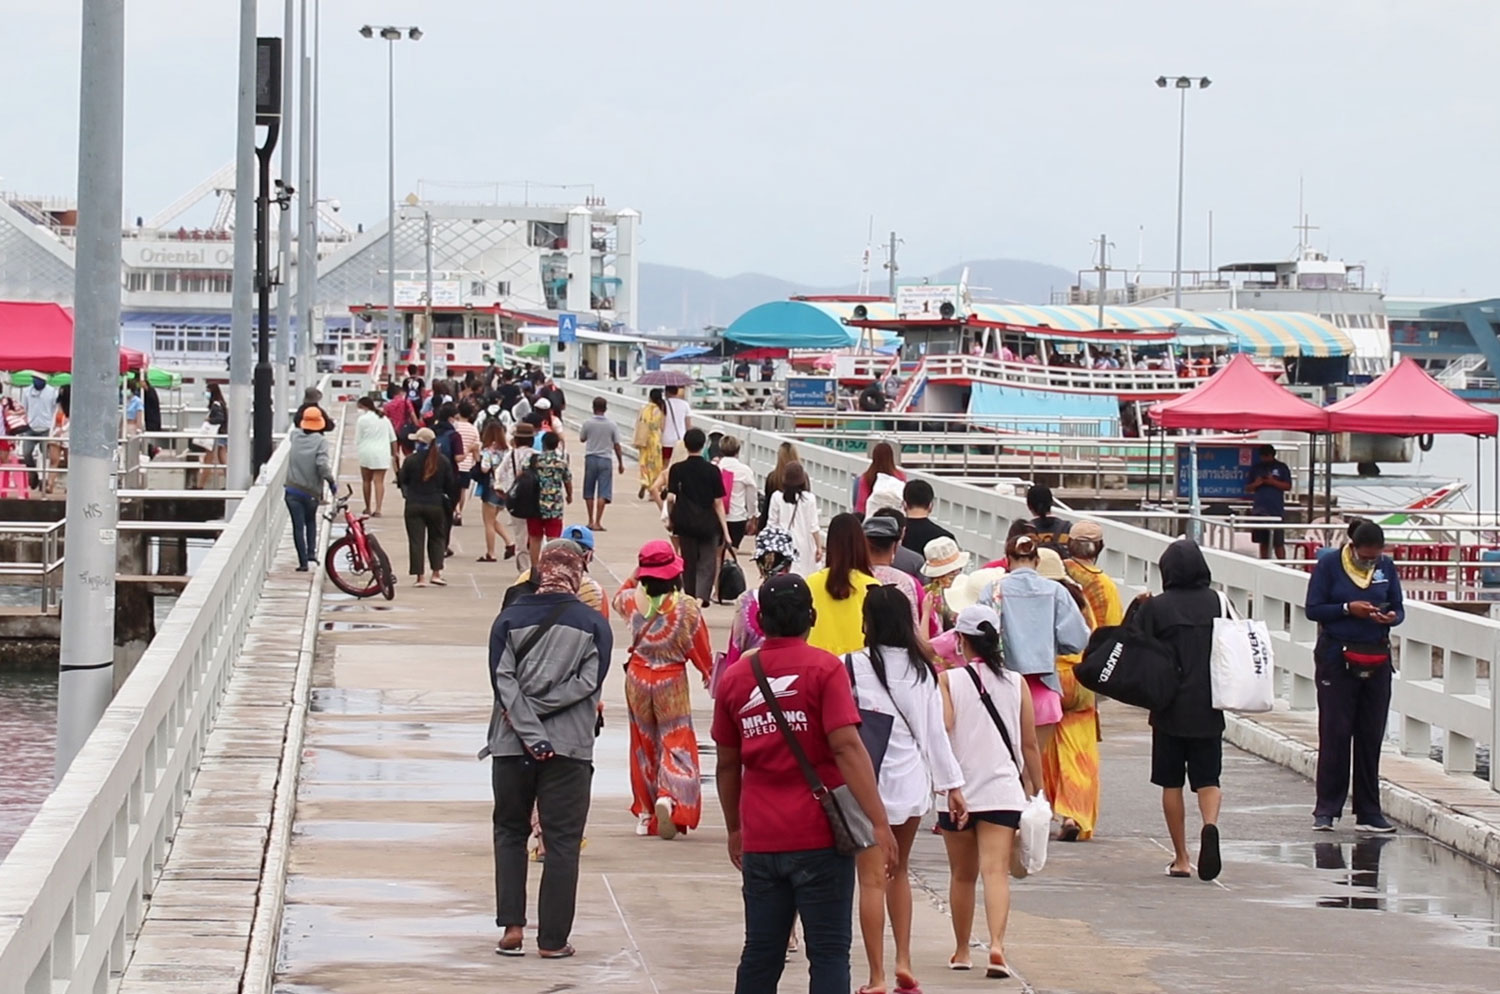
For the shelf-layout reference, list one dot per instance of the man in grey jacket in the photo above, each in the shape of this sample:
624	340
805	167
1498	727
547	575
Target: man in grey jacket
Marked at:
308	470
548	655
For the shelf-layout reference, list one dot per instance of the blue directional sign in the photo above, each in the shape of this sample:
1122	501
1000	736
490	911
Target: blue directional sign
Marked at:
567	327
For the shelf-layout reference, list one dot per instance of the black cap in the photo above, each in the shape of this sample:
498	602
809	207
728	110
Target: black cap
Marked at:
786	588
881	527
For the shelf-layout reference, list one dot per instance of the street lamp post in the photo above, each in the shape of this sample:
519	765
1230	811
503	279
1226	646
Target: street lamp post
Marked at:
391	34
1182	84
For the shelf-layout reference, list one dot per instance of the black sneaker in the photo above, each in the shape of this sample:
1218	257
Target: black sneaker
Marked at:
1323	823
1374	823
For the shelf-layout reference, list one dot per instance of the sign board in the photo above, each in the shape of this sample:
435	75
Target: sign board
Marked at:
817	392
1223	470
177	254
267	80
924	301
464	353
445	293
567	328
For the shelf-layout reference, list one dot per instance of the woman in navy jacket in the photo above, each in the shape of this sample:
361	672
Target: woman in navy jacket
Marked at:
1355	597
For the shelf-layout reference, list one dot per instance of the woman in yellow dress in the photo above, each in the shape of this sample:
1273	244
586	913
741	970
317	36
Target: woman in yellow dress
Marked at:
1070	762
647	440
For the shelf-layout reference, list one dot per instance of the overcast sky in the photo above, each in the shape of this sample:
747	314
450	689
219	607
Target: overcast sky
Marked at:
763	136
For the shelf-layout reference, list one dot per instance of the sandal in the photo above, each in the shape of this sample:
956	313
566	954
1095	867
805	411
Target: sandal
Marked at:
907	984
501	949
485	559
1070	831
1177	874
439	582
954	964
510	552
998	968
563	953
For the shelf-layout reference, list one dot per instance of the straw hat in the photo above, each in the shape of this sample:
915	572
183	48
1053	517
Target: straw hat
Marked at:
943	557
1050	564
969	588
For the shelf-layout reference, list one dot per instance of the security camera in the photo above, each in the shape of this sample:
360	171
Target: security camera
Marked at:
334	206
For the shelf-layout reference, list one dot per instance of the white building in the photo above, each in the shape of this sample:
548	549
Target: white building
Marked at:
536	260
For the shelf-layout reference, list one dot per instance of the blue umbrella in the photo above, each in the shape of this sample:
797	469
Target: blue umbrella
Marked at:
686	354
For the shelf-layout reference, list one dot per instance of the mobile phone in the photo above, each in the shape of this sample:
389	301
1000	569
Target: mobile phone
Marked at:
1383	607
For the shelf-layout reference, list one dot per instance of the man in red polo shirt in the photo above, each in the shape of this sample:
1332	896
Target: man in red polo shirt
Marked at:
779	836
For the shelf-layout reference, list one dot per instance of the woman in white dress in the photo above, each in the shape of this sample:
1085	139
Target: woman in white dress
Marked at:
795	510
997	784
896	676
375	441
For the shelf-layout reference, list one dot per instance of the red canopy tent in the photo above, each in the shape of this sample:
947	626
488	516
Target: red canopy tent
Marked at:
1240	397
1406	401
40	337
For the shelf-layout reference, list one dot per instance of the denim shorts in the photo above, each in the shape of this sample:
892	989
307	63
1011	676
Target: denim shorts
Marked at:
598	479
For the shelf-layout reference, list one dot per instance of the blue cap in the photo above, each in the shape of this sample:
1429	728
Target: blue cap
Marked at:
581	534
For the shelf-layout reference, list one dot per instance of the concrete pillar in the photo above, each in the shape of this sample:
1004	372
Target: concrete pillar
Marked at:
580	260
627	268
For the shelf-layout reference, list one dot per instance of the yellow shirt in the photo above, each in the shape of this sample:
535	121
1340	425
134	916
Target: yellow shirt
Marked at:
840	627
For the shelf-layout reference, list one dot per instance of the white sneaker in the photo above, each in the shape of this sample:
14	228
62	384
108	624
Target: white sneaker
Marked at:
664	827
643	825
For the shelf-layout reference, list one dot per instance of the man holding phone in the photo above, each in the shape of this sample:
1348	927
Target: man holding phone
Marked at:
1355	597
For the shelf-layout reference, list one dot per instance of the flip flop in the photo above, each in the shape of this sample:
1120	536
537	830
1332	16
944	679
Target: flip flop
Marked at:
1070	831
562	953
907	984
439	583
955	965
1177	874
501	949
1209	861
485	559
997	970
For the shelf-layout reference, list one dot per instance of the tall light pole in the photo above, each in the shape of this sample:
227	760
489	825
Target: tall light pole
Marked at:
1182	84
391	34
85	680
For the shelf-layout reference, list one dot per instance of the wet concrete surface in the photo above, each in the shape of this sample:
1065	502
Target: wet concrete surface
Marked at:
391	871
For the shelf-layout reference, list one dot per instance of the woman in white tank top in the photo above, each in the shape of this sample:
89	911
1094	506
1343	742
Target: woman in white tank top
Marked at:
996	788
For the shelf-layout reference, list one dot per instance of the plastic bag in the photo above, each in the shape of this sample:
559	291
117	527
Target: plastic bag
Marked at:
1030	853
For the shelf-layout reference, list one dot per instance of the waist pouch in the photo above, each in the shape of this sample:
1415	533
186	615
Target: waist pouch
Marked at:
1363	658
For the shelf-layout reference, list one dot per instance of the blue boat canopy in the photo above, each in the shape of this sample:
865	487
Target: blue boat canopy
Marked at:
807	324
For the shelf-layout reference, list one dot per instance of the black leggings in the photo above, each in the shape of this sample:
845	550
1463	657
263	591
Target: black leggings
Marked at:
426	524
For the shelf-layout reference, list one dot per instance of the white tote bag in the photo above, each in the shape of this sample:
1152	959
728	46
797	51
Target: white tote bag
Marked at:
1242	665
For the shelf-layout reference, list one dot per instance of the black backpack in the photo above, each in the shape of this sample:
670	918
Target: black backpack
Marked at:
525	497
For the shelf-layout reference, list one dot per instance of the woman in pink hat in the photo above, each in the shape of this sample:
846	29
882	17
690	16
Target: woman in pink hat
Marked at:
667	632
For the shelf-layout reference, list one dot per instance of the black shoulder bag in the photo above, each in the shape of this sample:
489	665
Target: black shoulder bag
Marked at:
874	726
852	831
989	705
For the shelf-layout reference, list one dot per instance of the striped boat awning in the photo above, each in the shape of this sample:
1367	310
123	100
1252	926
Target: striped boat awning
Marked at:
1071	318
1284	333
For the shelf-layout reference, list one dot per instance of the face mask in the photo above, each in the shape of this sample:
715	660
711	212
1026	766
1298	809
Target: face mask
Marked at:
207	395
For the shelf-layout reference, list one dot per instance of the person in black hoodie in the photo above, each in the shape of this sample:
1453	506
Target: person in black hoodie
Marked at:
1187	735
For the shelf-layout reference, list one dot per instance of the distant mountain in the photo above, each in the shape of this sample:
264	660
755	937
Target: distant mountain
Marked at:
675	297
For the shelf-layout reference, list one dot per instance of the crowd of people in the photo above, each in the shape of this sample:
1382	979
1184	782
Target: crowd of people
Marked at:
876	670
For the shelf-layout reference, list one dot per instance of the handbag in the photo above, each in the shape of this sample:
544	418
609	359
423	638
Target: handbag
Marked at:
1241	669
1030	854
731	580
874	726
852	830
1123	663
206	438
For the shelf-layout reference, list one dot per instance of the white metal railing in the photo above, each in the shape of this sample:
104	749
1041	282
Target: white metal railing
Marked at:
75	887
1431	635
939	368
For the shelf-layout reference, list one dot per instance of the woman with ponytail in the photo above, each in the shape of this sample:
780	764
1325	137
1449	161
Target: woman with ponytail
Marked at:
988	713
896	676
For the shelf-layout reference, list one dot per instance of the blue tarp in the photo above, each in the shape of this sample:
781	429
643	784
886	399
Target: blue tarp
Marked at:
686	353
805	324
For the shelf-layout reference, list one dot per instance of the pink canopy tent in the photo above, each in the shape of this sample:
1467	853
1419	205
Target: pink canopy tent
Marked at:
40	337
1406	401
1240	397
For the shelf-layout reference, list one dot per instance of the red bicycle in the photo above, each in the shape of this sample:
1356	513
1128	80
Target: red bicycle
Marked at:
355	562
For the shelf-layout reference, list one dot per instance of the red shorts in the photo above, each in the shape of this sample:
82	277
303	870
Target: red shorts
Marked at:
666	454
544	527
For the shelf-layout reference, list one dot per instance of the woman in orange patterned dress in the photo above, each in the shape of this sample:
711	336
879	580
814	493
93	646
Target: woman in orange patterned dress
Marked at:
667	633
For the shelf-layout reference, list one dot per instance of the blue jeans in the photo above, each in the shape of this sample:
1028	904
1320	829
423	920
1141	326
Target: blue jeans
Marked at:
818	885
304	512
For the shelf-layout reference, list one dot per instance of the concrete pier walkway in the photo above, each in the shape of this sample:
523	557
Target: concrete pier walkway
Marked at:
390	873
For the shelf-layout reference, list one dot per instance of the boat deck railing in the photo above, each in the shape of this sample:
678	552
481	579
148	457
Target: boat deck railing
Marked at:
1124	383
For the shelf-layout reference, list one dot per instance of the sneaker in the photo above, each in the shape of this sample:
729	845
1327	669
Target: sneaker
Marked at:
664	825
643	825
1323	823
1374	823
